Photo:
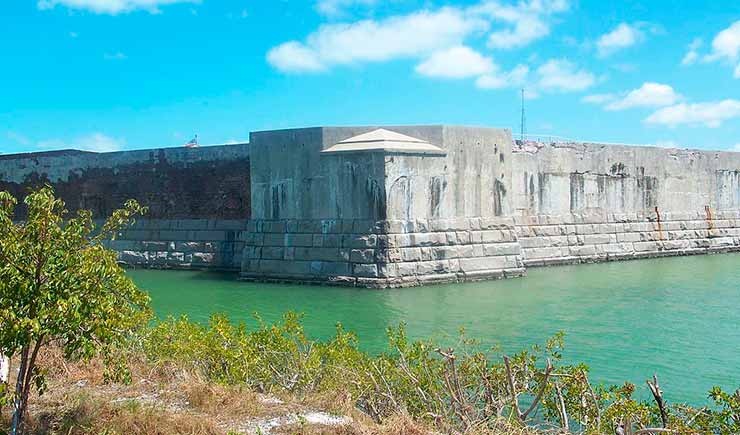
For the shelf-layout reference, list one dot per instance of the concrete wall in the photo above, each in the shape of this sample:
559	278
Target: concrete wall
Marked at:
381	218
470	181
580	202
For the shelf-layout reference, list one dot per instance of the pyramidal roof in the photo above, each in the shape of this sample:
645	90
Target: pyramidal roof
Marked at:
382	140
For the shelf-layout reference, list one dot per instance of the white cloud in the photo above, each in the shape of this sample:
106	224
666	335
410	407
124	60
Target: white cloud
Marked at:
337	7
497	79
115	56
693	54
295	57
457	63
648	95
527	21
407	36
623	36
599	98
555	75
417	35
111	7
561	75
726	47
96	142
737	147
709	114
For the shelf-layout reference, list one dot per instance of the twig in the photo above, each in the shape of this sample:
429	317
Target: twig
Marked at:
561	408
514	398
537	398
658	395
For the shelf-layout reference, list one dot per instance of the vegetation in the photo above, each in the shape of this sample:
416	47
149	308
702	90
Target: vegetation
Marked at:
58	284
69	319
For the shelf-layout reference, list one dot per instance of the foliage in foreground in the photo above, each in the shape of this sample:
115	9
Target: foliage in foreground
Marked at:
463	390
59	284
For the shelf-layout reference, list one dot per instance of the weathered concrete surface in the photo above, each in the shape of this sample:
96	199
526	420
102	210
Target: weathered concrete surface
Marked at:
381	216
198	198
175	183
580	202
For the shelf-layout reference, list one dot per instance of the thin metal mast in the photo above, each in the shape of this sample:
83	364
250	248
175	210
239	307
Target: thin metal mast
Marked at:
522	130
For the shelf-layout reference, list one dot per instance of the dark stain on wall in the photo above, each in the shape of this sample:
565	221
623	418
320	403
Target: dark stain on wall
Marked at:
376	197
499	193
577	191
199	189
437	187
647	189
542	180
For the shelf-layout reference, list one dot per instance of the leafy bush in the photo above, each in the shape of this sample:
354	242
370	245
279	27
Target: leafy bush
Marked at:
461	389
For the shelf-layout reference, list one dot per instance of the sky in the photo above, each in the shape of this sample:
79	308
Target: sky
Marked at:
107	75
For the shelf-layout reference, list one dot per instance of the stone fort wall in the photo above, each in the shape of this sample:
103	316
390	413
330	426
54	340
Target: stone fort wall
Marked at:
585	202
198	199
483	207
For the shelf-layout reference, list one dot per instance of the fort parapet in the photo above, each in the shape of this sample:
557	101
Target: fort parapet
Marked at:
398	205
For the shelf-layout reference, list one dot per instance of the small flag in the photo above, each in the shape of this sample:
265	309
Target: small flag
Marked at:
193	143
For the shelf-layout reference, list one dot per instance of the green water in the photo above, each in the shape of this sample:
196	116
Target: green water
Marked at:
679	317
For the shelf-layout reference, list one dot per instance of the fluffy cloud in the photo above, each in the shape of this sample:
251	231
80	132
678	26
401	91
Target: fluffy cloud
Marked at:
726	47
337	7
693	54
648	95
96	142
737	147
457	63
111	7
497	79
408	36
527	21
709	114
623	36
419	35
295	57
554	76
561	75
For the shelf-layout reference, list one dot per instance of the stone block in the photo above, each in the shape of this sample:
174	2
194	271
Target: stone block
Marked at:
294	239
411	254
273	252
365	270
646	246
502	249
361	241
362	255
275	239
316	254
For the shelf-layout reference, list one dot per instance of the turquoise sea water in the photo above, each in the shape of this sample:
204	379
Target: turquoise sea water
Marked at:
678	317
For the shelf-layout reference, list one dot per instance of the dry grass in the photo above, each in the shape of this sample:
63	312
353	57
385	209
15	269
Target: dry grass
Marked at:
168	400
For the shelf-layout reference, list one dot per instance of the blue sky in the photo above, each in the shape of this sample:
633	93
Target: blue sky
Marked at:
128	74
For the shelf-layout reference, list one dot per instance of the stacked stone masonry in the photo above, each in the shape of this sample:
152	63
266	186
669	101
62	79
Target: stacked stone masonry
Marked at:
381	254
588	238
183	244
